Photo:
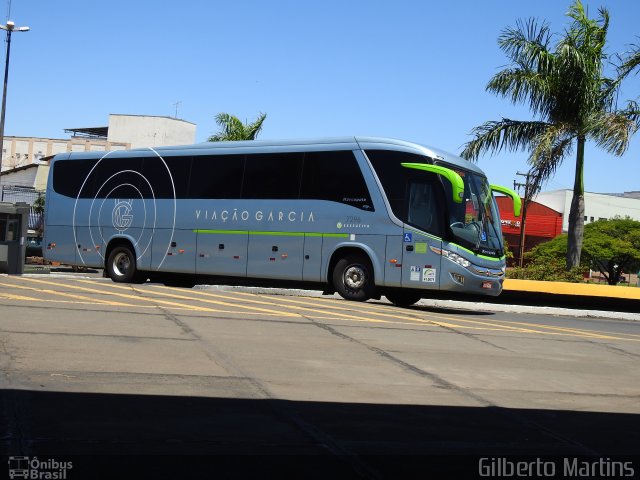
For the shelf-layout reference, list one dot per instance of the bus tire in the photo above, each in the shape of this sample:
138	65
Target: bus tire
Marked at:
402	298
121	265
353	278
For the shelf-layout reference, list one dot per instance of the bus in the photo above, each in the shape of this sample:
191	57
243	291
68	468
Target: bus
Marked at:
362	216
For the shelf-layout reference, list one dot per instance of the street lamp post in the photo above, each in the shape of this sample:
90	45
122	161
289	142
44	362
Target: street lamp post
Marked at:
10	27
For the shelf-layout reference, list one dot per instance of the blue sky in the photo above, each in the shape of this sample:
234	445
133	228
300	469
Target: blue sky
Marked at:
414	70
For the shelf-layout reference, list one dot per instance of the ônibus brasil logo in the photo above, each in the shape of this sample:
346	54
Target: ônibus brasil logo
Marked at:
122	217
34	468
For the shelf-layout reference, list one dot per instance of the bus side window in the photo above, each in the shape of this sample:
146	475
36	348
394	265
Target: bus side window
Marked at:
69	176
216	176
423	211
272	176
335	176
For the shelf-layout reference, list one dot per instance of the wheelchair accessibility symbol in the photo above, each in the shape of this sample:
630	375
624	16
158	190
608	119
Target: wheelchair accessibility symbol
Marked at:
408	237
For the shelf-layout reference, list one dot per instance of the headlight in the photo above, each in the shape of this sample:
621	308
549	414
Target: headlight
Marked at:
454	257
475	269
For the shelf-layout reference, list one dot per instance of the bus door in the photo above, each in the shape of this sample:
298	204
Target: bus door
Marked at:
422	236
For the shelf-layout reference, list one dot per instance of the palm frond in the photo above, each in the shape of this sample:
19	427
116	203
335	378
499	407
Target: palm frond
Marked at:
548	156
613	130
526	43
523	85
252	129
629	62
494	136
233	129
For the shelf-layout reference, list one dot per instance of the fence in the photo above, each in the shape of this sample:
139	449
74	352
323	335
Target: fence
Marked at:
14	193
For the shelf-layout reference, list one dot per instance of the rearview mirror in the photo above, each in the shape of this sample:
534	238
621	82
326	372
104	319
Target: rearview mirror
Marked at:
457	184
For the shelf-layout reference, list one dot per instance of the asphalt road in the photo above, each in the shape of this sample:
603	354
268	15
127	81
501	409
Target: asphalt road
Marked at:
150	381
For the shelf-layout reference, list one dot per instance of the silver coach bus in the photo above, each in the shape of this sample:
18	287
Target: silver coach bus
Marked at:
363	216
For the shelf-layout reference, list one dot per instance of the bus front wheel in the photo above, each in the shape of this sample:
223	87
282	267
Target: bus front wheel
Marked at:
353	278
121	265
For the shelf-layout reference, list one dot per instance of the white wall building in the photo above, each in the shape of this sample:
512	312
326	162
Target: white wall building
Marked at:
22	151
597	206
28	176
122	133
149	131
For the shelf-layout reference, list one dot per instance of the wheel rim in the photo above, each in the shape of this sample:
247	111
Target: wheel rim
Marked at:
355	277
121	264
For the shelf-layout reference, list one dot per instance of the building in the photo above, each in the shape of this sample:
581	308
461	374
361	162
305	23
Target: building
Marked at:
597	206
548	215
149	131
32	176
542	224
123	132
25	169
25	184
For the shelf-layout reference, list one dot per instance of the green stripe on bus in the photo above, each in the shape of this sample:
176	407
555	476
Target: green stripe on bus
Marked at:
476	255
281	234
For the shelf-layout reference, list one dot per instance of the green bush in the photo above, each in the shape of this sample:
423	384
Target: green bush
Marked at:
549	269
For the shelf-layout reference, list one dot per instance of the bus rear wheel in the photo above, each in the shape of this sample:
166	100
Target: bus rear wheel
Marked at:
353	278
121	265
402	298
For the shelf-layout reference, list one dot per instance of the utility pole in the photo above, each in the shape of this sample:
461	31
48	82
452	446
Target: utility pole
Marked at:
10	27
527	194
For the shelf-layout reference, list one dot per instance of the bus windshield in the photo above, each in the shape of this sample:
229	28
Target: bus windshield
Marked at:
475	222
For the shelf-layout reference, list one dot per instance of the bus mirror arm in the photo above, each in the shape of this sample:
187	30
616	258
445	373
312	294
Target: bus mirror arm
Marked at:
517	203
457	184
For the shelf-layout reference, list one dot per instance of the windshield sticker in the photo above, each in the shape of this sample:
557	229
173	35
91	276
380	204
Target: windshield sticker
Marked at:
415	273
429	275
421	247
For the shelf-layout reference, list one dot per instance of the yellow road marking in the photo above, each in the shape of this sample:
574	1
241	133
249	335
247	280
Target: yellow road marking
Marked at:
490	326
588	333
156	291
10	296
135	297
324	304
69	295
255	308
564	330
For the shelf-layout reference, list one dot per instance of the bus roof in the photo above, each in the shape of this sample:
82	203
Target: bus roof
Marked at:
266	146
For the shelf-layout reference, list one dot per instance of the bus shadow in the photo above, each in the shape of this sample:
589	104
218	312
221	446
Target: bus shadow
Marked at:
157	436
434	309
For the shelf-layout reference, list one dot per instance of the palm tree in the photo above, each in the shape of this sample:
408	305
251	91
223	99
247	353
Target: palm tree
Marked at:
566	89
234	129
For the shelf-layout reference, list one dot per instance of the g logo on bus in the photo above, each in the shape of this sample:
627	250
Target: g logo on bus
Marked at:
121	216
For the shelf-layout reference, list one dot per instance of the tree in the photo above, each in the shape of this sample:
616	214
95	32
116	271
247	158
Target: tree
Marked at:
610	246
38	208
565	87
234	129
